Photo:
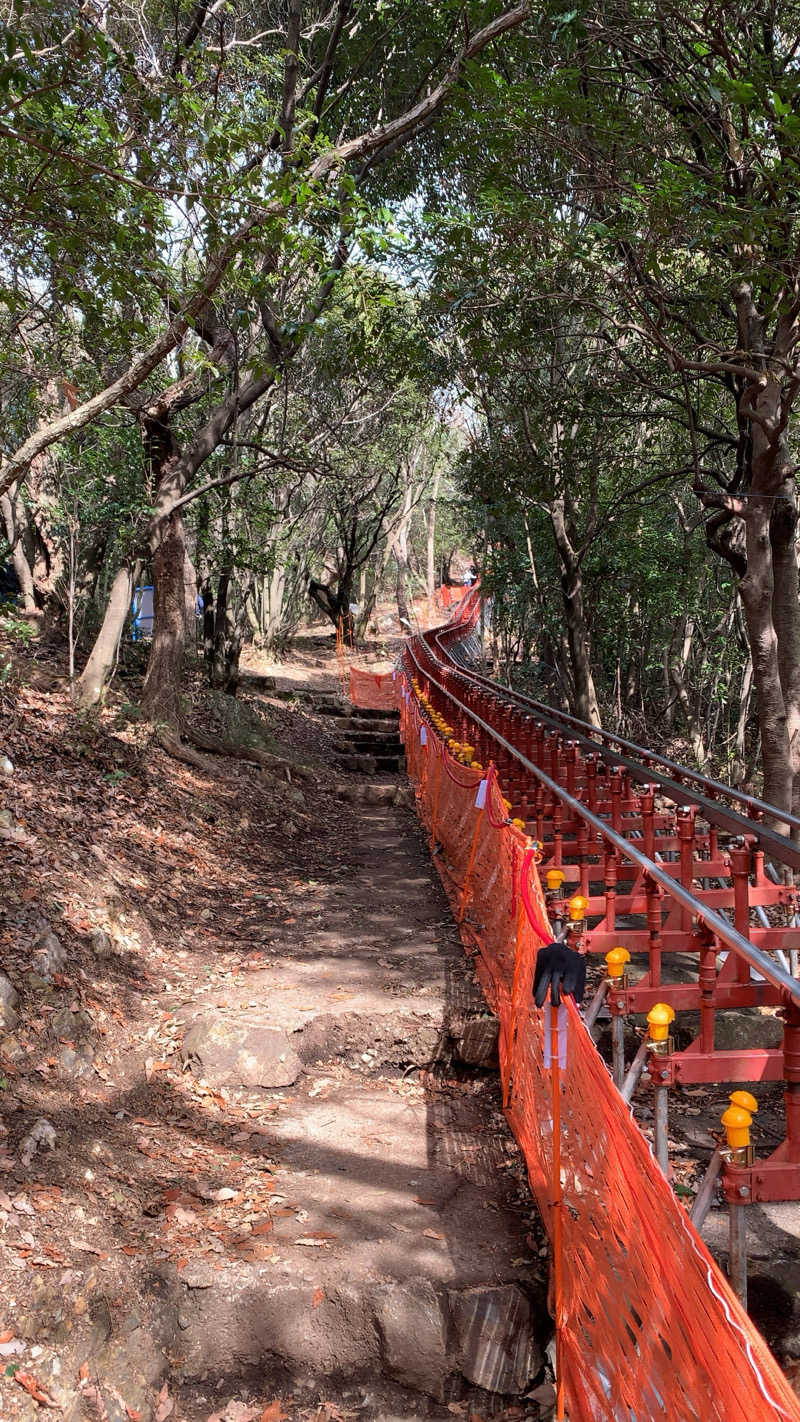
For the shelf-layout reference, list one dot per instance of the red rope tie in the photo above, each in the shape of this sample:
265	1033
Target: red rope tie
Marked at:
535	919
462	784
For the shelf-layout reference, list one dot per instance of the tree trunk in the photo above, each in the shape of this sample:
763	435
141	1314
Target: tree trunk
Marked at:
190	601
430	546
786	617
584	694
208	622
401	595
679	652
756	590
669	699
745	697
218	667
91	684
161	694
334	603
274	620
22	567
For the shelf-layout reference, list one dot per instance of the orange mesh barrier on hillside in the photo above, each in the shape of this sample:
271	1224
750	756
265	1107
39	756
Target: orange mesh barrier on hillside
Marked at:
648	1327
451	595
372	691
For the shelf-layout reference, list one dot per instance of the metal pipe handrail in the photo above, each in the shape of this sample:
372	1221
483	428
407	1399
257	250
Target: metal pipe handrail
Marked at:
719	926
608	737
784	850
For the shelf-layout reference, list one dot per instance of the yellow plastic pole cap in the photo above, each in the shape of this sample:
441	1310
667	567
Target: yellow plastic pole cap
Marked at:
616	960
737	1126
658	1020
554	878
745	1101
577	907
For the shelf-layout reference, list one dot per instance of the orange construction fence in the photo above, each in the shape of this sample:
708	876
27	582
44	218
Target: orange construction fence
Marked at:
374	691
451	595
647	1327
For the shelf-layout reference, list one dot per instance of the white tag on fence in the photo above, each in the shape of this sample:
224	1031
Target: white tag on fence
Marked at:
480	798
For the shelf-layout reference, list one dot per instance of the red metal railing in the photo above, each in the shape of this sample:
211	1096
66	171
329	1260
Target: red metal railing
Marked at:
660	872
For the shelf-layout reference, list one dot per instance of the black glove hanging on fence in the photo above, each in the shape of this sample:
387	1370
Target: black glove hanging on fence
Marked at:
559	969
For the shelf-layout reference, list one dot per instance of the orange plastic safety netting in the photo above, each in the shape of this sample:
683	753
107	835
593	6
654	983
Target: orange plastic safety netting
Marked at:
649	1328
374	691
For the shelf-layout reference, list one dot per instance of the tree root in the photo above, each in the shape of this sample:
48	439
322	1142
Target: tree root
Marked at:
171	744
215	745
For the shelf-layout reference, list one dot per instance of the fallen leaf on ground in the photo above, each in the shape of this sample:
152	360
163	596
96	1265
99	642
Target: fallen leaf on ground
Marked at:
10	1346
273	1413
239	1411
254	1249
37	1392
166	1405
318	1297
432	1234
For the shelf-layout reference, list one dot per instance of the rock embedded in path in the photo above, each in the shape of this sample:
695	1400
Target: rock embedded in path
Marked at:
412	1325
476	1041
9	1003
102	944
735	1031
71	1026
497	1347
227	1052
48	956
75	1062
127	1369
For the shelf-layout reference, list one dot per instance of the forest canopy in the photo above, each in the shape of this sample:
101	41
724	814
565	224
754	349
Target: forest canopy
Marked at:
295	298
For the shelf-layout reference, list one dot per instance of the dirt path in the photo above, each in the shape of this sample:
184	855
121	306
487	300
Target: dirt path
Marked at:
401	1248
271	1177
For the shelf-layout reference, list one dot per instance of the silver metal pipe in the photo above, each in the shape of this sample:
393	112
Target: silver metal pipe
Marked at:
737	1251
705	1195
618	1050
661	1127
635	1070
593	1010
607	738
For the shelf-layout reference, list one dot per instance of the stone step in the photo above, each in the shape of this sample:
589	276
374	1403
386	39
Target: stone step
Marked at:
344	708
363	723
366	764
376	792
326	697
379	744
365	1262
